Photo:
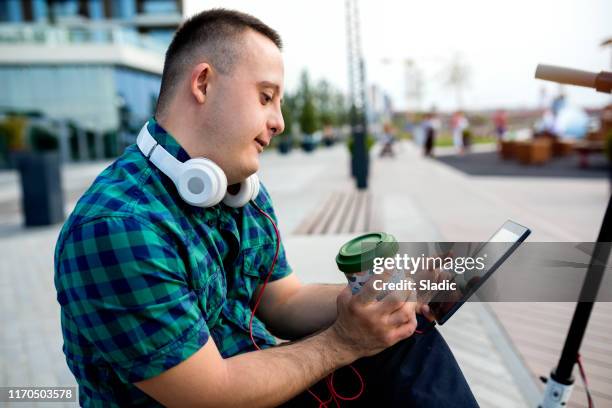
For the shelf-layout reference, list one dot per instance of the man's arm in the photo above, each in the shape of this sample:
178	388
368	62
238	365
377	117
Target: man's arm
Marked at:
260	378
292	310
273	376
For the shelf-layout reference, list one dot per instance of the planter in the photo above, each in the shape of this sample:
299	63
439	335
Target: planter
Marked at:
537	151
41	188
284	147
507	149
308	143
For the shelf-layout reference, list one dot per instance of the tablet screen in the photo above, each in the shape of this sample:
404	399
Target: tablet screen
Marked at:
499	247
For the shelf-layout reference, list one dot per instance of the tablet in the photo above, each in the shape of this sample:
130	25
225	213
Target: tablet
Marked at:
497	249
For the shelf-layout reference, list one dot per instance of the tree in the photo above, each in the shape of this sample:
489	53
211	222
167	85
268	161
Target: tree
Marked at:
309	116
323	97
331	104
457	77
413	75
288	109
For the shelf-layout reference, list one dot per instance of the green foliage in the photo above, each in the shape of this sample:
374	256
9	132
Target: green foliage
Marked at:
289	111
370	141
446	140
13	130
331	104
309	116
314	106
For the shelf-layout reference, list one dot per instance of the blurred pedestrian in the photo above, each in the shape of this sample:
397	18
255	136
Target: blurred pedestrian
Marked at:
459	125
388	140
430	126
500	121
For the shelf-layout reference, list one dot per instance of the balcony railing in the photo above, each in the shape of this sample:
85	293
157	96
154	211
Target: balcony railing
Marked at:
81	34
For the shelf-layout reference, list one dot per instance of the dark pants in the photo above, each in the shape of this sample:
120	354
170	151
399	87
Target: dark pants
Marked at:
417	372
430	136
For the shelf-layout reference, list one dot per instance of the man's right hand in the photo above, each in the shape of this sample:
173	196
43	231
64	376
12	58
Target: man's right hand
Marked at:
367	326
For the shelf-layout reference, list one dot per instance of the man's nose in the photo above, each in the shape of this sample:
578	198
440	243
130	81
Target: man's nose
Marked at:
277	124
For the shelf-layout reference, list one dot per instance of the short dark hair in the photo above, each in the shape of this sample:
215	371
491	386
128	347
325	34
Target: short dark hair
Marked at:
212	33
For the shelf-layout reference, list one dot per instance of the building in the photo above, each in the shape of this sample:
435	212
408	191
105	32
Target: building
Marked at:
97	63
155	18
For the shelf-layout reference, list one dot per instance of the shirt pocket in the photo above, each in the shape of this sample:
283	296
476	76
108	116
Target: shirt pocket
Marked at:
250	270
255	262
211	289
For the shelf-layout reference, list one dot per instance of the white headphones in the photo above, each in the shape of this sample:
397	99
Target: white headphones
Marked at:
199	181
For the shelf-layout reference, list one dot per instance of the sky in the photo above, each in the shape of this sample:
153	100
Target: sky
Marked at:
500	43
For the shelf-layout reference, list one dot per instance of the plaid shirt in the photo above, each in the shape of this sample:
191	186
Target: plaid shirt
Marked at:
144	279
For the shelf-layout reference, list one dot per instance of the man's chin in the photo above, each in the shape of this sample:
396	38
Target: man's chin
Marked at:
253	166
248	170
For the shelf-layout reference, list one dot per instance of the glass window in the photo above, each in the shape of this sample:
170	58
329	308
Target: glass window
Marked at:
65	8
160	6
124	8
10	10
39	10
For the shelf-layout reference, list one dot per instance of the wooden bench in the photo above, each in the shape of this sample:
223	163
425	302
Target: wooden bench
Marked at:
536	151
342	212
507	149
562	148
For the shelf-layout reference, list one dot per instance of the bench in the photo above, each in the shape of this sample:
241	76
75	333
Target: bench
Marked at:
342	212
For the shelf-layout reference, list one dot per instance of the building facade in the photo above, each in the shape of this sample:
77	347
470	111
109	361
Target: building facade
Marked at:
91	62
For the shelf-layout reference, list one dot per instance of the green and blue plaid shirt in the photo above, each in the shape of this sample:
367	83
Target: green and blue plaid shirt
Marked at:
145	279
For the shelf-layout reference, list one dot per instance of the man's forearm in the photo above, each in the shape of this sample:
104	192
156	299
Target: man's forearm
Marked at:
310	309
273	376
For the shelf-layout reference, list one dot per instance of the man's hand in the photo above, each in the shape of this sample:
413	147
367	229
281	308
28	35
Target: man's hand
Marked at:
443	302
367	326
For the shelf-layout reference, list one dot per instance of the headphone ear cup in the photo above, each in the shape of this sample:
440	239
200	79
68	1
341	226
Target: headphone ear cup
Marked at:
247	191
202	183
255	182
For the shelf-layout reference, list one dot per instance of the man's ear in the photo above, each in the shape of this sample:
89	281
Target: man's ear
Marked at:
199	82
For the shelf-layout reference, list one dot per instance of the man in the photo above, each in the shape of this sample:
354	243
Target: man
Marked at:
155	293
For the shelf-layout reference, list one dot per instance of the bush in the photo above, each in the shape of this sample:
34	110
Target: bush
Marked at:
369	142
308	117
12	130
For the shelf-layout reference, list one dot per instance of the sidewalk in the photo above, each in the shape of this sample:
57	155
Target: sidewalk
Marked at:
419	200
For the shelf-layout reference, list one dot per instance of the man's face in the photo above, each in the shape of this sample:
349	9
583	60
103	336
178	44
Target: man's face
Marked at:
243	108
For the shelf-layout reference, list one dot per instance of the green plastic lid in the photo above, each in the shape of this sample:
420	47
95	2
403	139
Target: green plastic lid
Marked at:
358	254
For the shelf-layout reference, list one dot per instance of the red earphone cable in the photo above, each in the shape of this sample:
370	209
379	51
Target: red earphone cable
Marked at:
330	378
584	380
259	296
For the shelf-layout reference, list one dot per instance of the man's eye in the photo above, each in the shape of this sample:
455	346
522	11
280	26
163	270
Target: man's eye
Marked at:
265	98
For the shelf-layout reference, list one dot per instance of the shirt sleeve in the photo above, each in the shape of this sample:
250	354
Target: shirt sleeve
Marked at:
124	285
282	267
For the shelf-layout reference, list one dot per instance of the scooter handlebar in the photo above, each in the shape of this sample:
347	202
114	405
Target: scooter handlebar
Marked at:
600	81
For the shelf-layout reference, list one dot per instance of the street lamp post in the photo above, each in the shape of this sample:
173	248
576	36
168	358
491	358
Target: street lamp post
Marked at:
357	97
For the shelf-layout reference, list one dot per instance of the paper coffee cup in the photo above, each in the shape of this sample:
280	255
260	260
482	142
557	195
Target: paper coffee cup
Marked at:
356	257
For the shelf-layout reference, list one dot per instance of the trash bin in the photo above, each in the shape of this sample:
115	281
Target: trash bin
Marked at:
42	200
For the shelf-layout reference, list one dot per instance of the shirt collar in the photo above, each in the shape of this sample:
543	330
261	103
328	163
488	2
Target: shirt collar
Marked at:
166	141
